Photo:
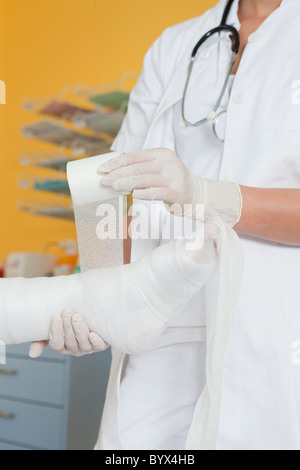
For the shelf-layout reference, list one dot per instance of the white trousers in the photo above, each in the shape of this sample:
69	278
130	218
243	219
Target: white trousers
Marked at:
158	395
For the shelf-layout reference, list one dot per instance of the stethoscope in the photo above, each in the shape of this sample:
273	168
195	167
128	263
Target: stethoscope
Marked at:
212	116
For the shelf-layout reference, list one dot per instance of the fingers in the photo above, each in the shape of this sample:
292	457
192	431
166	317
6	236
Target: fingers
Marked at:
153	194
138	182
143	170
97	342
62	336
142	156
37	348
70	334
71	343
57	335
80	331
125	160
151	167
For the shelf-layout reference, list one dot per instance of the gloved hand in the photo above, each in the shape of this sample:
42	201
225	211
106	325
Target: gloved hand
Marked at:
158	174
69	334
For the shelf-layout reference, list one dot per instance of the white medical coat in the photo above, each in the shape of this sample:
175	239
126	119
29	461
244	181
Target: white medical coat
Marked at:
261	384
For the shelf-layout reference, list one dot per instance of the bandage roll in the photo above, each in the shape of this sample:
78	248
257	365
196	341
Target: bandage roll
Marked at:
85	181
98	214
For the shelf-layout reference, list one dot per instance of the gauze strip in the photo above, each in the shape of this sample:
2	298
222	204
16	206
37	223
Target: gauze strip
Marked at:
98	214
205	425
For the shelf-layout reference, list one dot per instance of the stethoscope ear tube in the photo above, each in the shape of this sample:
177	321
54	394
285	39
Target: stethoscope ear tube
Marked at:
226	12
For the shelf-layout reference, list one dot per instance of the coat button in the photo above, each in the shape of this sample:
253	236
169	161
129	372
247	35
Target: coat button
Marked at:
238	97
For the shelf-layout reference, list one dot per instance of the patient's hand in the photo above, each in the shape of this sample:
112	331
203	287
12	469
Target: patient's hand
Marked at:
70	334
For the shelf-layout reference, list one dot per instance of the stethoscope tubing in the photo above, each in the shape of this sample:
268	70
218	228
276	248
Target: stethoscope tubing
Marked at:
235	48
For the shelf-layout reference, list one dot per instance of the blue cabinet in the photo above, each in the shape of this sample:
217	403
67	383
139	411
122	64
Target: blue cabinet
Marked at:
51	403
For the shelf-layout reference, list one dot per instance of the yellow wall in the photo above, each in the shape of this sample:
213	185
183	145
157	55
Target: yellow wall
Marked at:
47	44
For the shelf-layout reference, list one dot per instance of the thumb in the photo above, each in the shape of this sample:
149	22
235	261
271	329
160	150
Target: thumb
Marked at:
37	348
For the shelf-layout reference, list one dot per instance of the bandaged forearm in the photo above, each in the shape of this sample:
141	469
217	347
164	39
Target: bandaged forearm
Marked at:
220	198
128	306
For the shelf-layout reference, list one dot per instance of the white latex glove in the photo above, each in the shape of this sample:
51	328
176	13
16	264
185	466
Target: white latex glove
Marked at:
158	174
69	335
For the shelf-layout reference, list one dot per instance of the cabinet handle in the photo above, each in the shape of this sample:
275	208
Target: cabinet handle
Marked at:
8	372
6	415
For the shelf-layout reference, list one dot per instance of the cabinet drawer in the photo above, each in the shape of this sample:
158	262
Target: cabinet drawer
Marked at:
32	380
30	425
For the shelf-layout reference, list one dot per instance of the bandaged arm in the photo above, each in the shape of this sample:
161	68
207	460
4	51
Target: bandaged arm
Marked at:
128	306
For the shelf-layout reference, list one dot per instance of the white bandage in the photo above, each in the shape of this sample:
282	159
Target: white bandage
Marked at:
128	306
